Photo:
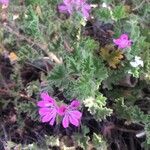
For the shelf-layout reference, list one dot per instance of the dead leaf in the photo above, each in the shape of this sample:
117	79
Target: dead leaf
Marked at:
38	11
111	55
67	46
13	57
128	8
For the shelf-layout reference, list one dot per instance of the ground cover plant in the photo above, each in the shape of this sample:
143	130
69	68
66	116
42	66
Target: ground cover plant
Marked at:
74	75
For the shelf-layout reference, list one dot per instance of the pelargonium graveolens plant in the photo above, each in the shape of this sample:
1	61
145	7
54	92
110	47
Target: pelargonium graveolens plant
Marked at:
92	57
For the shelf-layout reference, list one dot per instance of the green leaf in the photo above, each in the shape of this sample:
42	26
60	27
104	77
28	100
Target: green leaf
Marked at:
82	139
119	12
103	14
58	77
29	108
99	142
96	106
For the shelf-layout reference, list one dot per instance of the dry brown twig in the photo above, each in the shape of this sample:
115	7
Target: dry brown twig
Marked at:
140	5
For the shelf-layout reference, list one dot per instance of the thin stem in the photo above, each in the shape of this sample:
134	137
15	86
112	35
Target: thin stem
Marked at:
41	46
5	133
138	6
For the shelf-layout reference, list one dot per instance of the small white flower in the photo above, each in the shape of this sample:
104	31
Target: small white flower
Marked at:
137	62
104	5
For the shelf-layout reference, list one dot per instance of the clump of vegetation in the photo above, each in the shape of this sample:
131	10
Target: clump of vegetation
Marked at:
75	74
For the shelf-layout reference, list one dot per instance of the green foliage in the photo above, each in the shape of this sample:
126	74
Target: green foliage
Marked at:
84	73
119	12
146	58
29	108
99	143
82	139
96	106
28	53
147	131
12	145
58	76
33	2
103	14
31	23
133	114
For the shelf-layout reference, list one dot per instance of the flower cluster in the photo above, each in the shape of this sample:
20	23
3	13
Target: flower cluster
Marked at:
69	6
4	2
49	110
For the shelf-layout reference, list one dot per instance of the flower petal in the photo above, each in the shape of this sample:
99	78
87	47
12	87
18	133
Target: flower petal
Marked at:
85	13
124	37
5	2
46	118
65	8
46	97
75	114
44	103
75	104
62	8
87	7
49	116
68	2
44	111
117	41
79	2
65	121
53	118
73	120
122	41
134	64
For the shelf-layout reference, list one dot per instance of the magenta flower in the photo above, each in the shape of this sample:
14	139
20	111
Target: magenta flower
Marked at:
123	41
69	6
49	111
66	6
4	2
48	108
70	114
85	8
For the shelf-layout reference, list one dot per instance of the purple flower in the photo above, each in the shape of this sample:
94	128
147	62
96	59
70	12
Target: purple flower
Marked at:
75	104
68	6
70	114
123	41
4	2
48	108
85	8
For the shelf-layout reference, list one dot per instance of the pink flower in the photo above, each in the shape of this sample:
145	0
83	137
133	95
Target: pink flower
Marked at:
85	8
123	41
4	2
48	108
66	6
75	104
70	114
